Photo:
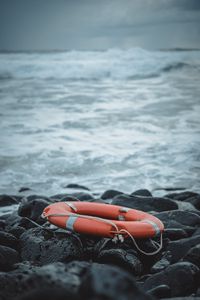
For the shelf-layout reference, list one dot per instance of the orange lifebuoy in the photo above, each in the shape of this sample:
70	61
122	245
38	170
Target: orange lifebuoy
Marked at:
103	220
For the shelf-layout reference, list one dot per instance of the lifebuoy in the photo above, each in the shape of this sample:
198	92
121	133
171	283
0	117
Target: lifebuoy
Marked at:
103	220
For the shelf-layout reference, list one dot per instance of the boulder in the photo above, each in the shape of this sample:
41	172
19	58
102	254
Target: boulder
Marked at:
161	291
76	186
33	209
181	196
123	259
142	192
183	217
79	196
178	249
9	240
43	247
162	264
174	234
145	203
6	200
26	280
109	282
181	278
24	189
193	255
110	194
8	257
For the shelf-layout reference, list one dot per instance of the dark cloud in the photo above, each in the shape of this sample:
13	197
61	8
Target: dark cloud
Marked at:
92	24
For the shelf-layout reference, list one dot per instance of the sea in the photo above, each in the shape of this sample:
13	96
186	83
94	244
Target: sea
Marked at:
113	119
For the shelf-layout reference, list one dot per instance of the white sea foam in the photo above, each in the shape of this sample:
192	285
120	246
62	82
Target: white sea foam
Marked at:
76	65
113	119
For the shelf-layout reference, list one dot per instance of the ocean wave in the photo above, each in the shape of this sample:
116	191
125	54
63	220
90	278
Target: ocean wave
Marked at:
6	76
94	65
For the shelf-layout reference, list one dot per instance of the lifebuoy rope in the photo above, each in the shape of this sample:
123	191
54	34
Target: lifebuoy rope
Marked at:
118	233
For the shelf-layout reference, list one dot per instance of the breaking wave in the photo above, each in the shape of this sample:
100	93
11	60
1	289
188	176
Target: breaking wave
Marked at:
94	65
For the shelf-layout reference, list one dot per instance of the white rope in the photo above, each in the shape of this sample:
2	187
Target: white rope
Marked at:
139	249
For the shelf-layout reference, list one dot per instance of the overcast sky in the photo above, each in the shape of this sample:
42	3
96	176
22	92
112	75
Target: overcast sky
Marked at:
98	24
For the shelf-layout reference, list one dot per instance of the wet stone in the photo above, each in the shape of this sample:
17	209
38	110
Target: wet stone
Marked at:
24	189
77	186
7	239
180	277
33	209
110	194
123	259
178	249
142	192
78	196
175	234
193	255
6	200
8	257
161	291
181	196
183	217
145	203
162	264
109	282
16	231
26	278
2	224
42	247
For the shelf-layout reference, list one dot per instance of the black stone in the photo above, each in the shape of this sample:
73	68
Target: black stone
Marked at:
33	209
16	231
24	189
28	279
172	224
6	200
110	283
175	234
121	258
183	217
2	224
9	240
8	257
162	264
181	196
178	249
77	186
42	247
110	194
142	192
35	197
180	277
145	203
49	293
161	291
79	196
193	255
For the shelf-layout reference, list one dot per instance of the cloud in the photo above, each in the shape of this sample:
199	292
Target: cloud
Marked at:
92	24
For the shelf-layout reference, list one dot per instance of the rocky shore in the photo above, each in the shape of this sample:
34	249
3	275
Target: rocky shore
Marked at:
38	261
